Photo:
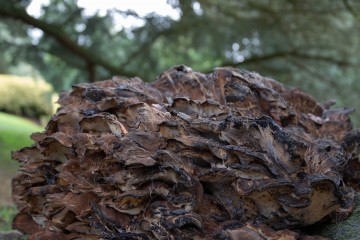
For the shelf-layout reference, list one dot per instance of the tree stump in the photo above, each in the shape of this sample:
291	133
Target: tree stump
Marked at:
224	155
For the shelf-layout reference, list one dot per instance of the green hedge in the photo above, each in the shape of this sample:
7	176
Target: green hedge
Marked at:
26	97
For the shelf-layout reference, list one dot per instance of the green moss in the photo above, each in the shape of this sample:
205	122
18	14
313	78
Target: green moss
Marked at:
7	214
345	230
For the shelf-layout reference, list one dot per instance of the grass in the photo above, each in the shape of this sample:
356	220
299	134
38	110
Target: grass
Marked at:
14	134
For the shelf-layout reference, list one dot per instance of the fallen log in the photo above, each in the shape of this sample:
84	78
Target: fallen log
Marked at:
225	155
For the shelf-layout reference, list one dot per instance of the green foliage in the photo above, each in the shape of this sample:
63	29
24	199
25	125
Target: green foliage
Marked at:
311	46
25	97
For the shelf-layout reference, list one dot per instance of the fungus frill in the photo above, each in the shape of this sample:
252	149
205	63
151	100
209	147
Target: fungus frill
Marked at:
225	155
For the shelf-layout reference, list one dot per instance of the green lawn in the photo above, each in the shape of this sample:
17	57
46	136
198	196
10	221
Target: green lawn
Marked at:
14	134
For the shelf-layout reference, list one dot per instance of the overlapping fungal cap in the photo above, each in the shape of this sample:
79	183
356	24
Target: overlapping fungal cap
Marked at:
225	155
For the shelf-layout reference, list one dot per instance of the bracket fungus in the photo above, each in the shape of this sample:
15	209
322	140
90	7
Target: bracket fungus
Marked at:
224	155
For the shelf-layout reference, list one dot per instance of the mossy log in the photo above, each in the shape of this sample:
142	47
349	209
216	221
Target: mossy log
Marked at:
224	155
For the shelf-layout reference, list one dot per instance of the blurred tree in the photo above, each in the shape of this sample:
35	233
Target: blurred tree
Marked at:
312	45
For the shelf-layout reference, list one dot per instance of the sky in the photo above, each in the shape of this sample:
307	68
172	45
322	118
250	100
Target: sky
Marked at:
141	7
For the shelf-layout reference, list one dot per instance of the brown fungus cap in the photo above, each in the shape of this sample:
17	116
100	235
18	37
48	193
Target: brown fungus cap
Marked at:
225	155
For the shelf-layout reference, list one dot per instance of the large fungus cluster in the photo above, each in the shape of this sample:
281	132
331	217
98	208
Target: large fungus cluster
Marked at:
225	155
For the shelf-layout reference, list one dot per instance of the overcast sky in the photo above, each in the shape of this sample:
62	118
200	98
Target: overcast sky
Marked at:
142	7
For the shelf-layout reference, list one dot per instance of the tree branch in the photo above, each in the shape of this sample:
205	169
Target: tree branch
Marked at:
60	35
310	71
178	27
329	59
284	54
350	9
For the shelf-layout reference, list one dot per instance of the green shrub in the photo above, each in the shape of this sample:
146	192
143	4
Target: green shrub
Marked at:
25	96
